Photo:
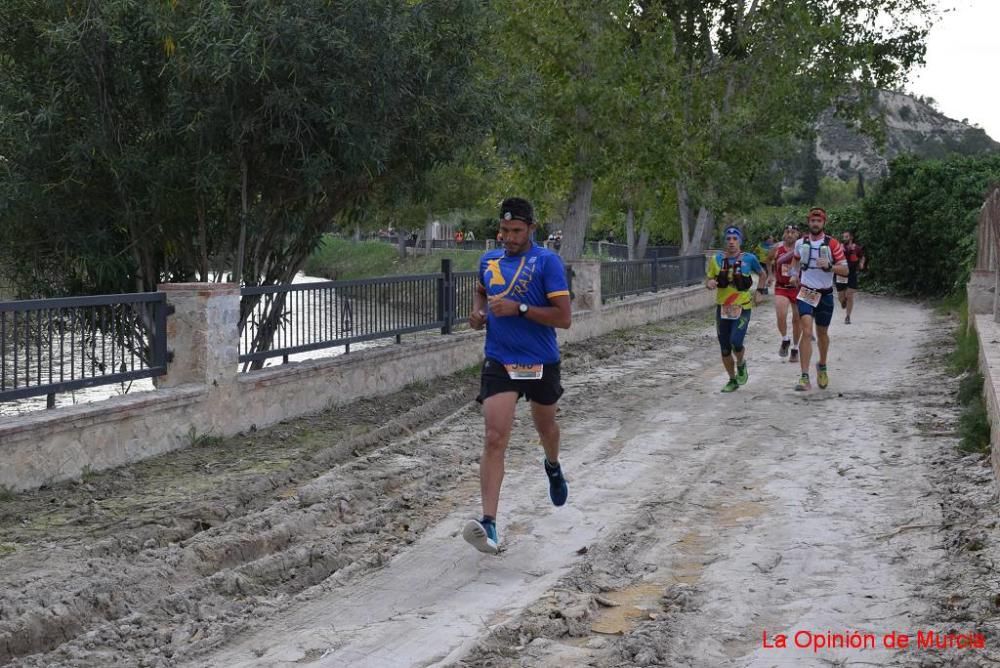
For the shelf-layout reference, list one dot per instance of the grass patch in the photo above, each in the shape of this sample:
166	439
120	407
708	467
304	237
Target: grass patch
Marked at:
974	422
970	388
196	440
974	428
965	357
6	494
342	259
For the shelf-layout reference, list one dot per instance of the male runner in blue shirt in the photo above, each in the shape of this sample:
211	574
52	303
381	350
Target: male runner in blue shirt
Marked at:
521	298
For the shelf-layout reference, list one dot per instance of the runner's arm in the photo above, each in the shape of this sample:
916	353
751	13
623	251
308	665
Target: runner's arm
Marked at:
713	271
840	266
478	316
558	314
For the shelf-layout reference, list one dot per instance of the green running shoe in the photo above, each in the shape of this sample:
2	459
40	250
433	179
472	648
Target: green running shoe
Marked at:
742	375
822	379
803	385
731	386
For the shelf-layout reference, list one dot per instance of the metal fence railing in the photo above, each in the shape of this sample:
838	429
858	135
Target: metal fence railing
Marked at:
286	319
631	277
283	320
49	346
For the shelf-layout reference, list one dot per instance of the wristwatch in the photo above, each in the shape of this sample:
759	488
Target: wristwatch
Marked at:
522	309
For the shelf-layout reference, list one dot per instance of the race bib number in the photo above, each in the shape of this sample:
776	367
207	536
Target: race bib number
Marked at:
841	279
731	311
786	270
524	371
810	296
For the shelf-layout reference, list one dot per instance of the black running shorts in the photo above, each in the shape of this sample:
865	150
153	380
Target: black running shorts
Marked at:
852	282
544	391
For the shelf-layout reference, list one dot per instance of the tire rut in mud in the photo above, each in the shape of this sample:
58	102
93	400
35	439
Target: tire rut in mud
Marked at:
233	539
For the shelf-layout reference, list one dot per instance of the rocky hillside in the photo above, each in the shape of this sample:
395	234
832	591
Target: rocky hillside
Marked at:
912	126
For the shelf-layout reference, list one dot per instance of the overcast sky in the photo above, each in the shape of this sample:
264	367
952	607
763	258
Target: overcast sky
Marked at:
963	63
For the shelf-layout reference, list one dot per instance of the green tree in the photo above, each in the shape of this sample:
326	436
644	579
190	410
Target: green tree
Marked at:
919	224
582	82
811	175
757	72
153	141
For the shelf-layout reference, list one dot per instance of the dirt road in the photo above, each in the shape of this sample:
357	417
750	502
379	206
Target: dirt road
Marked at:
697	523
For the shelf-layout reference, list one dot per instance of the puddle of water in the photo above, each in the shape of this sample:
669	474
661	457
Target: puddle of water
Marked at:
635	605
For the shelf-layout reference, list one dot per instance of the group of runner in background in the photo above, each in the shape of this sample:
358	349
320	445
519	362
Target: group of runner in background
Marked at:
805	268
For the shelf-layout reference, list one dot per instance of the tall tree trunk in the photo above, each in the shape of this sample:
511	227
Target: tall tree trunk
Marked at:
241	247
577	219
630	232
684	211
203	244
401	242
643	242
704	230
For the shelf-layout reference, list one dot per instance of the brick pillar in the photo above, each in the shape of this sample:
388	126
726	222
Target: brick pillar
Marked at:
202	333
586	285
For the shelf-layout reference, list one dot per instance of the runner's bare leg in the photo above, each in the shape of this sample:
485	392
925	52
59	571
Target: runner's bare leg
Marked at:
499	413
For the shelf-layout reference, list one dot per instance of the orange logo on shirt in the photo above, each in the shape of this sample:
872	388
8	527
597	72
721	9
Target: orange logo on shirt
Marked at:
496	276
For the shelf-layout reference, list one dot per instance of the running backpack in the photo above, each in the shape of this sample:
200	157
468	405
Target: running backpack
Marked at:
805	261
731	275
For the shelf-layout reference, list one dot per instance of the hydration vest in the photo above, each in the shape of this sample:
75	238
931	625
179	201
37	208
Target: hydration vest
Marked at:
731	274
804	262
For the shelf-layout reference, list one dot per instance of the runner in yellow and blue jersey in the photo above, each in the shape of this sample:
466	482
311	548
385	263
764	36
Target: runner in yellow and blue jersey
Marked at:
522	297
730	274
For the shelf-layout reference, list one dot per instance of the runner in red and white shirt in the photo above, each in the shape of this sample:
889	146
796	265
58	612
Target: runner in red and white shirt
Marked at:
847	286
818	257
786	290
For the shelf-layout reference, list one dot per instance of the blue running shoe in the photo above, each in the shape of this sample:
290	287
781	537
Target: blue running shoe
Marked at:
482	536
558	489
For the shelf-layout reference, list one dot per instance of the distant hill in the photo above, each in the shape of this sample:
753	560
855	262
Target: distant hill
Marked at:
912	126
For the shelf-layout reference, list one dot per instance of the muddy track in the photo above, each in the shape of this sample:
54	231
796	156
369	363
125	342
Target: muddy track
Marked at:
152	563
644	595
221	521
696	522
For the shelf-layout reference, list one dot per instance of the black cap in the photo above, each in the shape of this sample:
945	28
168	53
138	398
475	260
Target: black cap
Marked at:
515	208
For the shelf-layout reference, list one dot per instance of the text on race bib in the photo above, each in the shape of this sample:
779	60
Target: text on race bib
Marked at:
524	371
809	296
731	311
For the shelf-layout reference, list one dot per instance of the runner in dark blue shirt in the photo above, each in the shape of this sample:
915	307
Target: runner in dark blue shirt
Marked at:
522	297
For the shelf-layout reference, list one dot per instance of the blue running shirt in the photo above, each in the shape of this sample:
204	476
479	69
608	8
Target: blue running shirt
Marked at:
533	278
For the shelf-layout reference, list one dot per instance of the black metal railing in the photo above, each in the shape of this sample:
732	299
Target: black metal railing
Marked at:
632	277
283	320
49	346
466	283
312	316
